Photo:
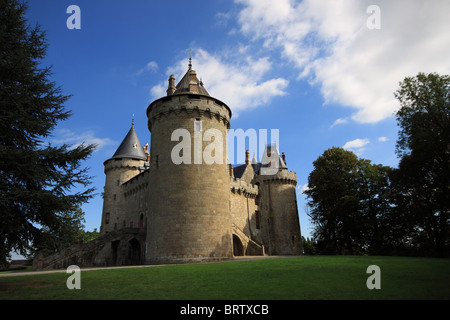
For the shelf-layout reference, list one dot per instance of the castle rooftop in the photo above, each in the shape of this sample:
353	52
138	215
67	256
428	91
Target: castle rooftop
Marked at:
188	84
130	147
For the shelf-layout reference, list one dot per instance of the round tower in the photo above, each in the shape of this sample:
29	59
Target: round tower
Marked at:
279	213
189	219
124	165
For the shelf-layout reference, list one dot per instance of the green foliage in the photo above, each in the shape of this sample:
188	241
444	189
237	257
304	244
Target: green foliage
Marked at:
35	179
309	246
68	230
90	235
422	181
358	207
347	196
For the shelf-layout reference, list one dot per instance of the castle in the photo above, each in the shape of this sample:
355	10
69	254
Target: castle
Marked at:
157	210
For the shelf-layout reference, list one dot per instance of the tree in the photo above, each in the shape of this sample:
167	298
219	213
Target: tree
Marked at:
423	176
309	246
349	203
36	179
90	235
333	200
68	230
375	206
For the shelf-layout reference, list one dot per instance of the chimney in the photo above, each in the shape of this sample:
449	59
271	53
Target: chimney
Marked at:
146	152
247	158
284	157
171	88
193	81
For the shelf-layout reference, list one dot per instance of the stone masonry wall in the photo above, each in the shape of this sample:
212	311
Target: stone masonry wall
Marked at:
189	218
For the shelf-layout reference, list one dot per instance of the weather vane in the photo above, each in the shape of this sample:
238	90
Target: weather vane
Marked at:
190	59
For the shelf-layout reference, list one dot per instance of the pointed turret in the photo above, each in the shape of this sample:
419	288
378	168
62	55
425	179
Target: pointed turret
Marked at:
130	147
127	162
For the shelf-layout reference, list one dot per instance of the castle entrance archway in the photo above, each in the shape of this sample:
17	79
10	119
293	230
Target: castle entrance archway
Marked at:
134	252
238	248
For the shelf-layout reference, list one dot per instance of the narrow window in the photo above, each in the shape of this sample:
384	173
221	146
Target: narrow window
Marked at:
141	220
107	218
198	125
257	220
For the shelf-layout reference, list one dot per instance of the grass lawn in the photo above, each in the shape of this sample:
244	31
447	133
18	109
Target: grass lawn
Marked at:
314	277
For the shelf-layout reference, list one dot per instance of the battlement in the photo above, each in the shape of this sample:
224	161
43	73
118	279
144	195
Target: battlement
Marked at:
282	176
241	187
136	184
187	104
122	163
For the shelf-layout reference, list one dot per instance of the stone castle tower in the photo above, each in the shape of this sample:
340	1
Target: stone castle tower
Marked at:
126	163
189	217
173	204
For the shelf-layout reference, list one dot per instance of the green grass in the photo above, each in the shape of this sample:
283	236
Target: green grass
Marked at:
316	277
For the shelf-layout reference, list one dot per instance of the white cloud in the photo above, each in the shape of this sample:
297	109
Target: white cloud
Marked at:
151	66
241	83
222	18
158	91
357	145
66	136
302	188
339	121
330	44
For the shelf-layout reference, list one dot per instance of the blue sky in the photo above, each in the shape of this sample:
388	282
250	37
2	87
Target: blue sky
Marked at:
316	70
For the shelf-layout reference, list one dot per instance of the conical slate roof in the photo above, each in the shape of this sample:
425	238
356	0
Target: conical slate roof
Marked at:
130	147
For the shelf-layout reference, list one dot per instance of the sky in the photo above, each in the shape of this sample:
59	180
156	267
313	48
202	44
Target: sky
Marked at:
322	72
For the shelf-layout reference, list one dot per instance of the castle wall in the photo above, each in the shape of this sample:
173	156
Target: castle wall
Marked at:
117	172
136	202
189	217
191	210
279	213
244	209
118	247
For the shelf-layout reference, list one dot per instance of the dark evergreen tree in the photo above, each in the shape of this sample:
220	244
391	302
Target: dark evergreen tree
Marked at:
36	179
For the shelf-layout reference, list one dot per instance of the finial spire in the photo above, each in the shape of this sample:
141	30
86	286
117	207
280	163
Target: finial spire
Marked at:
190	59
132	121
